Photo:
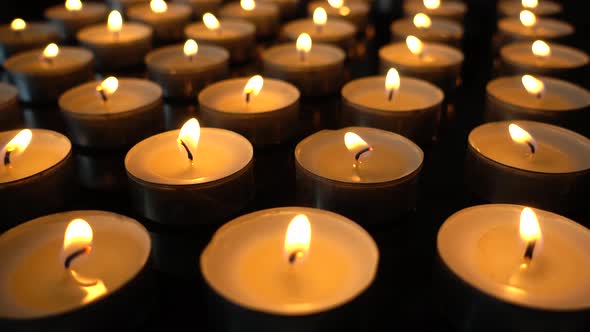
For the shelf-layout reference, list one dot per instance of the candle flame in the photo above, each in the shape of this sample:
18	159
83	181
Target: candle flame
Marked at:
210	21
529	225
530	3
422	20
336	3
188	138
78	236
533	85
253	86
248	5
17	145
541	49
431	4
354	142
415	45
344	11
50	51
191	48
108	86
522	136
527	18
115	21
158	6
320	17
297	238
303	43
18	24
392	80
73	5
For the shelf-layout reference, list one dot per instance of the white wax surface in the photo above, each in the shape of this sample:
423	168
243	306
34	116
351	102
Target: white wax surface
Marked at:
440	29
33	280
434	55
447	8
325	155
175	11
46	149
68	59
132	94
544	8
100	35
558	150
558	96
320	55
413	94
234	10
245	264
545	28
89	10
357	8
482	246
8	93
333	31
171	59
158	159
562	57
229	29
35	32
227	96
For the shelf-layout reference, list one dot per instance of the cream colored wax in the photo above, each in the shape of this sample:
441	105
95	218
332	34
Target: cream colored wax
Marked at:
101	36
561	57
545	28
433	55
335	30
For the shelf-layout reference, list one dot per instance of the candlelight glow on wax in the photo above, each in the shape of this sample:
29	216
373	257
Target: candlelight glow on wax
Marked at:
115	21
336	3
18	24
415	45
303	45
422	20
188	138
297	239
73	5
248	4
344	10
533	85
527	18
522	136
392	83
541	49
50	51
158	6
530	3
431	4
191	48
320	17
253	87
210	21
16	146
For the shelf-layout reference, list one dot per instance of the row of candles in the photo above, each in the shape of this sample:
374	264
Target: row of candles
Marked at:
268	262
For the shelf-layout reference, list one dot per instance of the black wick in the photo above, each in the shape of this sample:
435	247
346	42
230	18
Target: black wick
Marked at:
302	56
361	152
102	94
189	155
391	93
530	248
532	147
294	255
248	97
75	254
47	60
7	157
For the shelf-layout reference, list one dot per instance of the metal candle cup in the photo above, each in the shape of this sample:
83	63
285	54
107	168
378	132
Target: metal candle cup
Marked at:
265	16
70	22
35	35
169	25
442	31
10	116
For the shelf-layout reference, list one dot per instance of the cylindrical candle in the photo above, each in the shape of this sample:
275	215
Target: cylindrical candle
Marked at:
264	15
287	8
38	171
540	8
181	75
356	12
200	7
71	17
123	5
269	116
175	182
409	107
21	36
367	174
533	163
485	283
431	30
47	285
335	31
168	21
10	116
512	29
42	75
323	288
236	36
558	102
449	9
118	119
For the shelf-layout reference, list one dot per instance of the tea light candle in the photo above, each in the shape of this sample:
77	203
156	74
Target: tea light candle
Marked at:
333	31
236	36
167	20
538	98
408	106
298	267
530	163
542	8
117	45
183	70
367	174
200	7
486	279
432	62
264	15
73	270
123	5
527	27
191	176
112	113
315	71
265	111
21	36
541	58
42	75
75	15
287	8
355	12
449	9
36	166
431	30
9	109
